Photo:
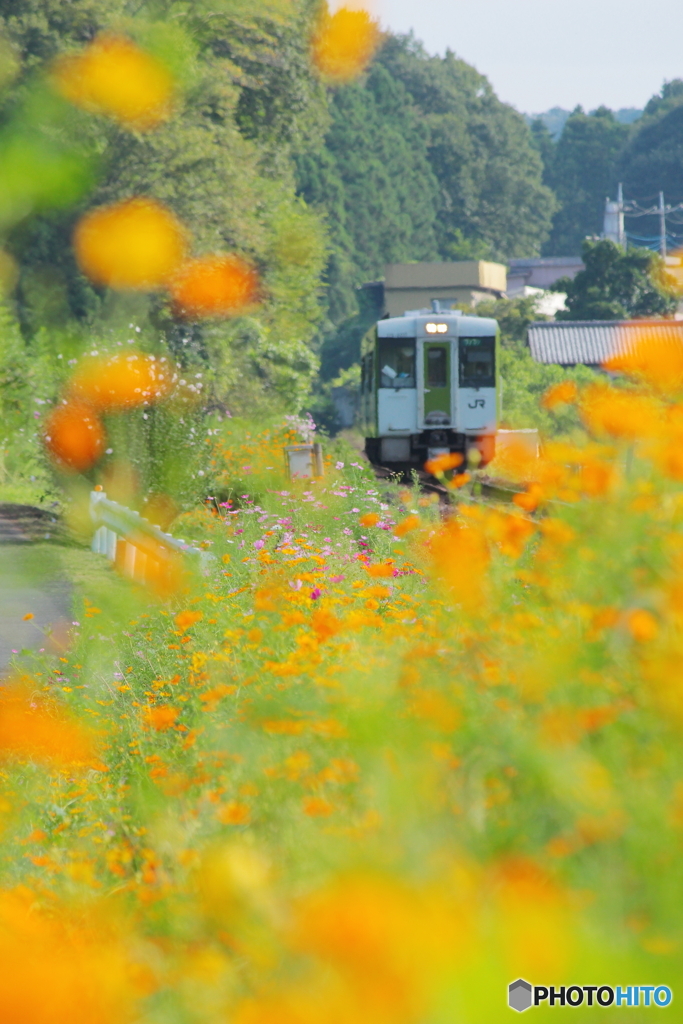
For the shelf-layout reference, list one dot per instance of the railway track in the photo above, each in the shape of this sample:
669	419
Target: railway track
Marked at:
491	491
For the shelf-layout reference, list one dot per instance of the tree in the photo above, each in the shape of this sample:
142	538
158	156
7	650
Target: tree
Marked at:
582	173
373	183
247	99
652	160
615	285
481	152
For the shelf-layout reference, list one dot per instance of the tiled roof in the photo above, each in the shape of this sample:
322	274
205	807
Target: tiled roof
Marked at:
568	342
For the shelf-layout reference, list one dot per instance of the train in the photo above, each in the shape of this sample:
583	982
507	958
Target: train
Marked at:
430	386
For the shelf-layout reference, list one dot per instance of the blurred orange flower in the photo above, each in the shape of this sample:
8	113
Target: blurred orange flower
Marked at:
563	393
381	569
214	286
74	436
406	525
121	382
325	624
160	717
369	519
135	244
460	558
444	462
184	620
32	731
234	813
652	360
343	43
530	499
113	76
317	807
622	414
642	625
60	968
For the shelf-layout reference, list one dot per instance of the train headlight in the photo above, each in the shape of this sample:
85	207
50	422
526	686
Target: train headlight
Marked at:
436	328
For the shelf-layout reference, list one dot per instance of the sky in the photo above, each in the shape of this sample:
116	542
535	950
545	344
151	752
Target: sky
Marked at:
540	54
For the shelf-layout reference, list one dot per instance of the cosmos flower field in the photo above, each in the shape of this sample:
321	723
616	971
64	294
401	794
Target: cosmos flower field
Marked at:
375	762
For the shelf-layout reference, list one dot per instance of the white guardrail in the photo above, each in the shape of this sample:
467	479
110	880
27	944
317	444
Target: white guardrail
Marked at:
138	548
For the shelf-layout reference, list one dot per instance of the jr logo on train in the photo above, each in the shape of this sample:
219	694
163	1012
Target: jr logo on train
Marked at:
429	385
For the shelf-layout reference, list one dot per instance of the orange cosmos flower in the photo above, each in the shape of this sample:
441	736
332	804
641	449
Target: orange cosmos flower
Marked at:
325	624
32	731
317	807
135	244
234	813
161	717
344	43
460	558
621	414
74	436
642	625
563	393
369	519
215	286
61	966
530	499
184	620
514	534
444	462
406	525
653	360
114	77
381	570
121	382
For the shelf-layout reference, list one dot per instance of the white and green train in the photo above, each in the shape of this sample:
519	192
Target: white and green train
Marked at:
429	385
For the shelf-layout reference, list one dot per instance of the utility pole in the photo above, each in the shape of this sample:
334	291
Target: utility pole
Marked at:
662	226
622	230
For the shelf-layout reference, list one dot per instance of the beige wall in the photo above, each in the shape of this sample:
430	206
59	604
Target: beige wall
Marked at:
414	285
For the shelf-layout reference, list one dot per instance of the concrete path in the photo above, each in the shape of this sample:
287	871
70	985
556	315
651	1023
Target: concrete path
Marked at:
31	581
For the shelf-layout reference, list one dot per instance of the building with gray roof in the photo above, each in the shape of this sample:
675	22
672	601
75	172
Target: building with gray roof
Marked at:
592	342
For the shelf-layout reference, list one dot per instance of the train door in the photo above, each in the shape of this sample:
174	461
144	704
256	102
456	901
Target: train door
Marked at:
437	383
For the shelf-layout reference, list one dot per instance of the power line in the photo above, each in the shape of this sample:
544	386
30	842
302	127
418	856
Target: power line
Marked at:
615	212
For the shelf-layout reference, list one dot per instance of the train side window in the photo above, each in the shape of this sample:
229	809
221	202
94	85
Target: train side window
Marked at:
397	363
477	362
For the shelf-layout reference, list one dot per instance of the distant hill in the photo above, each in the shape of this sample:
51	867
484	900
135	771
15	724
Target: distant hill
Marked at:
555	119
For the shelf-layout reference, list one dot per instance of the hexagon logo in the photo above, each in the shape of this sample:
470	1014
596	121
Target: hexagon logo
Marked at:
519	995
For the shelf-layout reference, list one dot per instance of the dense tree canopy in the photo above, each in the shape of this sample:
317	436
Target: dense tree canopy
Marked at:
481	151
615	285
652	160
581	170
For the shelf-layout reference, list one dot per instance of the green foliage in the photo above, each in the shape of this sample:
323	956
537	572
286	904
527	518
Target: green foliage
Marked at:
513	316
523	382
481	152
653	158
581	170
373	183
247	97
615	285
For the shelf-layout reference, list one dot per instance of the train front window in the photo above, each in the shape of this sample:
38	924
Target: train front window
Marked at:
437	367
477	362
396	363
